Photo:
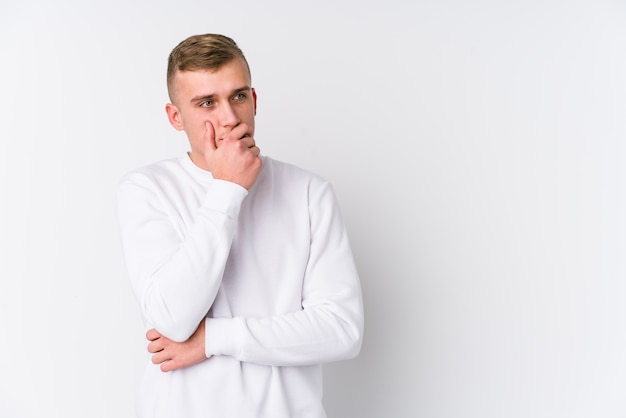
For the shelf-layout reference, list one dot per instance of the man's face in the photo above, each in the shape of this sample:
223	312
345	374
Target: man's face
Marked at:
223	97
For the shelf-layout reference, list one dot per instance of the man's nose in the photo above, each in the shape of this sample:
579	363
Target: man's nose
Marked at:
228	116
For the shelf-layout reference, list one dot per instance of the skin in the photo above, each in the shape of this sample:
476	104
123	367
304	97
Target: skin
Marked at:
216	110
172	355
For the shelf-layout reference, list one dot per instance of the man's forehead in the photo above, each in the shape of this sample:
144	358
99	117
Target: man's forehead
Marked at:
191	83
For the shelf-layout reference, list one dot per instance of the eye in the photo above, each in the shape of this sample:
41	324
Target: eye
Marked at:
239	96
207	103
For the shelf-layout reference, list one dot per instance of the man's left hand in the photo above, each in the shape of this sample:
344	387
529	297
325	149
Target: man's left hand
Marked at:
172	355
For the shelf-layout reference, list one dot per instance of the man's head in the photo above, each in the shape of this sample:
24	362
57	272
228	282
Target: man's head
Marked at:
207	52
210	89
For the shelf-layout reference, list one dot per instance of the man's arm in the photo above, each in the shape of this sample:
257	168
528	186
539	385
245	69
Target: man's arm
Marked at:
175	278
328	328
176	274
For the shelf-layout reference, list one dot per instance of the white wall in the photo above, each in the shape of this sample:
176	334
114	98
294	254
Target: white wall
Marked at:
477	149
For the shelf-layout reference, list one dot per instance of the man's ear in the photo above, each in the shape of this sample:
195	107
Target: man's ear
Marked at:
173	115
254	97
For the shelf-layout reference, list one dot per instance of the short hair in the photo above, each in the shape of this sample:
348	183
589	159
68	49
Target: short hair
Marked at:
202	52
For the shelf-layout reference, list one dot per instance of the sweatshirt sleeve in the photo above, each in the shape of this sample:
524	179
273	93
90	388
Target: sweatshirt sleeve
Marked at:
175	274
330	325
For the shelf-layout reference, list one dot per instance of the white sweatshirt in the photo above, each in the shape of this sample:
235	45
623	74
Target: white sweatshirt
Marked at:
271	270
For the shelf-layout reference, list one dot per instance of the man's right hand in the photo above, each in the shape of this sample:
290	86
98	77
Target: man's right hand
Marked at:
234	158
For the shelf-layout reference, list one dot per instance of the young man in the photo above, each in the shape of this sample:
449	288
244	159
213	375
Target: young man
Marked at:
240	263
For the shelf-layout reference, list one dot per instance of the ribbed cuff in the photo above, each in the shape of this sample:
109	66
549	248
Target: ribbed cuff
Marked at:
225	197
223	336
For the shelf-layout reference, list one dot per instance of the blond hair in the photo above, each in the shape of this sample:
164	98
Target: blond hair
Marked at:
202	52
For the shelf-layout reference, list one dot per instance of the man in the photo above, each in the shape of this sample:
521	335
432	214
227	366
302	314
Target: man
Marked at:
240	263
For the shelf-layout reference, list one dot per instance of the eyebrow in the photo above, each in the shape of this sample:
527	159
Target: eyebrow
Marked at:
206	97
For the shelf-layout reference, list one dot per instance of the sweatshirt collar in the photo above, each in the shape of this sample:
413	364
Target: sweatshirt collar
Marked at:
197	172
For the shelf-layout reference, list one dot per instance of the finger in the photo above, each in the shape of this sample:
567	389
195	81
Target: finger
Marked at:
248	141
209	136
238	132
155	346
153	334
160	357
169	365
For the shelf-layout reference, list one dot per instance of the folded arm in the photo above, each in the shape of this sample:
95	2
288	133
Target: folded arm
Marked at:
176	274
329	327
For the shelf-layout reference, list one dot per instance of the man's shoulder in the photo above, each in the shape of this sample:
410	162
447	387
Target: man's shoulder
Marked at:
288	171
153	172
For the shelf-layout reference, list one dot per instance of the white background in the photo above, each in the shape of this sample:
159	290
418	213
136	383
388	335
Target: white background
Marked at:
476	147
